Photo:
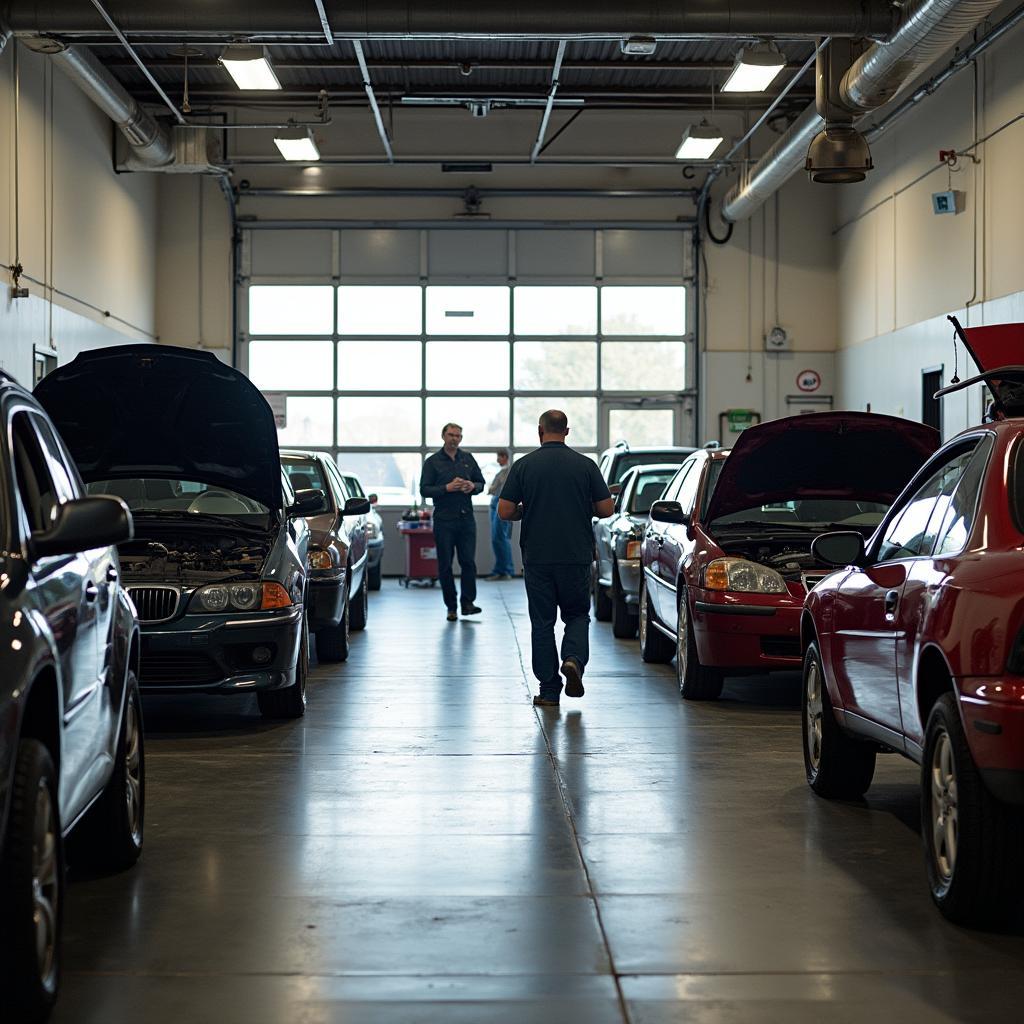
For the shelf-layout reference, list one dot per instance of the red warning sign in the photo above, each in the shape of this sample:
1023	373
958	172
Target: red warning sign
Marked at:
808	380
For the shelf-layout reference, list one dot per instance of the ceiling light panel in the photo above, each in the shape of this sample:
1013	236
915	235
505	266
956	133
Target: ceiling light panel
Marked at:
699	142
297	145
755	69
250	67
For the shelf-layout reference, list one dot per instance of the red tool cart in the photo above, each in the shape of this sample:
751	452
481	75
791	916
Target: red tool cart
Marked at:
420	551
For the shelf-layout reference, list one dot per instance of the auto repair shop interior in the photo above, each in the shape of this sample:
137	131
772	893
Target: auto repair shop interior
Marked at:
767	260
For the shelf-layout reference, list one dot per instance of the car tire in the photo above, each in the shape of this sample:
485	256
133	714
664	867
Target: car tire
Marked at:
332	641
291	701
111	834
31	888
602	602
655	647
696	681
373	575
973	843
359	610
624	622
837	766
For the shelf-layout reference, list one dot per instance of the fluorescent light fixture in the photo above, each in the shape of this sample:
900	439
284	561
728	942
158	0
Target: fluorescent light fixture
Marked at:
250	67
296	144
699	141
755	69
638	46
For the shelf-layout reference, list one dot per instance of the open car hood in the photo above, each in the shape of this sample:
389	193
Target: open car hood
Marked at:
156	411
856	456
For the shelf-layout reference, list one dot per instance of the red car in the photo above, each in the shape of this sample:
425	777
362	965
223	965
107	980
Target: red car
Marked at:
727	556
916	645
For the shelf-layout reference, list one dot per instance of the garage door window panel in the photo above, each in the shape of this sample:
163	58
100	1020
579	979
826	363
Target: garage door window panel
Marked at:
643	366
376	365
552	310
467	310
555	365
392	476
308	421
276	309
291	365
641	310
581	412
380	309
467	365
379	422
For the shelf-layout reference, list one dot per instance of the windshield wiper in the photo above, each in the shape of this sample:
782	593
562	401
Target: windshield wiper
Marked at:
201	517
757	524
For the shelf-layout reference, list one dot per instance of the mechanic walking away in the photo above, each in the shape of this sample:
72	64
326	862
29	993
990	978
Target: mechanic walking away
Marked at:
556	491
450	478
501	532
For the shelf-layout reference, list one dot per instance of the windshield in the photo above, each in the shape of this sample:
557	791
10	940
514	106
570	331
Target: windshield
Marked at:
150	494
812	514
629	461
649	488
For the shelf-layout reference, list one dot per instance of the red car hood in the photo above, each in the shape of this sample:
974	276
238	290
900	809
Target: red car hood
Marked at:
857	456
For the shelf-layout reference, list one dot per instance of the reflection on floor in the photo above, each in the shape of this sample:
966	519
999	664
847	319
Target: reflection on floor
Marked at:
426	846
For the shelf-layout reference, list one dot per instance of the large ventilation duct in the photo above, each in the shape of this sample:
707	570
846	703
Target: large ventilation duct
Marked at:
928	28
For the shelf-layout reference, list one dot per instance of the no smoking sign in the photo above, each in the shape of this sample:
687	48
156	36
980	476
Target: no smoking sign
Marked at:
808	380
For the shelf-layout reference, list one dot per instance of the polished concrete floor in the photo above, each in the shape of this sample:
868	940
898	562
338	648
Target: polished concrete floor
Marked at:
426	846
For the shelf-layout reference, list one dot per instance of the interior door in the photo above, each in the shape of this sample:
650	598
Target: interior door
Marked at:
641	423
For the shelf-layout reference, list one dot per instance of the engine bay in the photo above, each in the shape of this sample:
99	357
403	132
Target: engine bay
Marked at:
789	557
192	557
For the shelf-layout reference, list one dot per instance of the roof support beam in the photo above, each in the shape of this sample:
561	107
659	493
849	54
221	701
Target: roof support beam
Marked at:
542	131
325	24
368	86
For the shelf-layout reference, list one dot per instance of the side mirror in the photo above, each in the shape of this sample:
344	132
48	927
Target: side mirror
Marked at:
356	507
844	547
309	502
83	524
669	512
372	498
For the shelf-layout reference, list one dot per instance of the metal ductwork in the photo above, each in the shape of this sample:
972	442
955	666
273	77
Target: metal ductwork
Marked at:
568	19
928	28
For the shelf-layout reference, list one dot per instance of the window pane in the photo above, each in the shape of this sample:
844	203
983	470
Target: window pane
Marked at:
582	414
291	365
467	365
484	421
291	309
469	309
309	421
555	310
635	310
379	421
392	476
642	428
379	366
552	365
643	366
380	309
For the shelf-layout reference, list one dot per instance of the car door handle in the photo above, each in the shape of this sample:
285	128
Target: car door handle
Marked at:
892	599
91	591
111	574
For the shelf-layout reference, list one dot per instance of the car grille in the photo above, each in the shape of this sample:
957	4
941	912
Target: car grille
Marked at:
178	668
780	646
155	604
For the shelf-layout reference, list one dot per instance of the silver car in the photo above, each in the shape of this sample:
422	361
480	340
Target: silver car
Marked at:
617	570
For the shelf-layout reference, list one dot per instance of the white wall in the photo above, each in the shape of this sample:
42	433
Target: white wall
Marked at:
85	235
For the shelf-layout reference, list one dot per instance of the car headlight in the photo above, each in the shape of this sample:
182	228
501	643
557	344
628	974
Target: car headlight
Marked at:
320	558
745	577
240	597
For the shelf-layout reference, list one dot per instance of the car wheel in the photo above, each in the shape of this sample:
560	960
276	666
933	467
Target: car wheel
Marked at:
602	602
291	701
373	577
973	843
110	836
836	765
31	888
655	647
359	611
332	641
696	682
624	623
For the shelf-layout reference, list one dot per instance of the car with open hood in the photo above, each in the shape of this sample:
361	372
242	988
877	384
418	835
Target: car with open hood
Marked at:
727	559
217	567
615	582
915	644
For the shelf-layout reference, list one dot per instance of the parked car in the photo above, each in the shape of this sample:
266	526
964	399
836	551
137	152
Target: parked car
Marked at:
727	557
617	461
617	542
916	645
71	750
217	569
374	529
338	581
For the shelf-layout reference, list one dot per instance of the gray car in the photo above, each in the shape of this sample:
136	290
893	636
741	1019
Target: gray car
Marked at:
374	530
617	539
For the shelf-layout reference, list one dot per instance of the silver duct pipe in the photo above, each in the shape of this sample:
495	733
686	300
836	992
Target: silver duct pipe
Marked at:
568	19
928	28
150	142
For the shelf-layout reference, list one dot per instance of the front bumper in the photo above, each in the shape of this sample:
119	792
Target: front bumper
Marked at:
326	600
630	574
214	653
993	716
754	632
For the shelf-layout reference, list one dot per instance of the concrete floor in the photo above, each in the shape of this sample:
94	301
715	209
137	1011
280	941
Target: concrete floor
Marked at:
425	846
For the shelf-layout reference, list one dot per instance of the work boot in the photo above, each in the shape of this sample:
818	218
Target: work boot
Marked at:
453	615
573	678
470	609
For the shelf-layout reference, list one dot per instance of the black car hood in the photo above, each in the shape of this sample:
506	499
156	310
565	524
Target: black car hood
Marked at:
156	411
858	456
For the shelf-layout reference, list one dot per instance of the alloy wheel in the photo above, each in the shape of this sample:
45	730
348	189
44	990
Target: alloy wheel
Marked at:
814	715
682	647
643	615
944	807
45	885
133	771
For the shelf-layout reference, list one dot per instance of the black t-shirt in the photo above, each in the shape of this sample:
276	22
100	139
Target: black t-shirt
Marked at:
558	488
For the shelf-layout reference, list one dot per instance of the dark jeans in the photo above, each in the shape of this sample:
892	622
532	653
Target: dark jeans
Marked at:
501	542
550	589
457	534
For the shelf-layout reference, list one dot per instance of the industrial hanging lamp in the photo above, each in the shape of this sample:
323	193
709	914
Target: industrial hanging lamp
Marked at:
296	143
755	69
700	141
249	66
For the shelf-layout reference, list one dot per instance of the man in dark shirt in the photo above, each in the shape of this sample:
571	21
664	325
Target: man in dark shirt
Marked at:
556	491
450	478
